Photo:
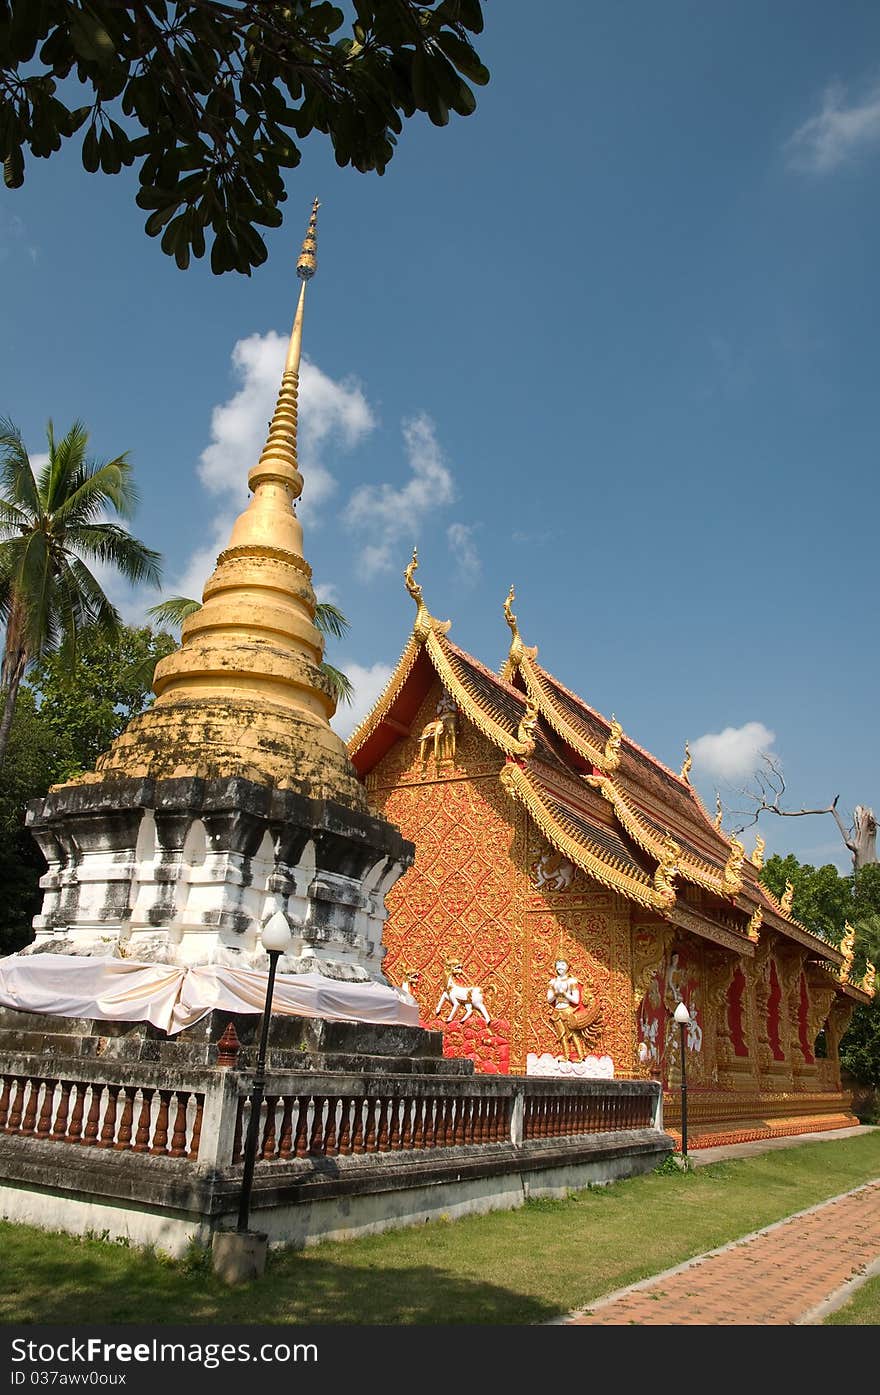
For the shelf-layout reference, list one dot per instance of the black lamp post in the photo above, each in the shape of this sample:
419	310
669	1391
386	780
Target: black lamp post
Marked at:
683	1018
276	938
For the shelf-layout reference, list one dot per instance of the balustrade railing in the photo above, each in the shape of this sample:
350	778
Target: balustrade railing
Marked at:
136	1118
203	1115
404	1117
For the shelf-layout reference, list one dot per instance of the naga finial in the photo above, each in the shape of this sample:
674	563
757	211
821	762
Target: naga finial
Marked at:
425	621
754	926
412	585
517	649
684	774
667	869
787	897
613	743
848	950
719	811
733	867
757	858
525	732
869	982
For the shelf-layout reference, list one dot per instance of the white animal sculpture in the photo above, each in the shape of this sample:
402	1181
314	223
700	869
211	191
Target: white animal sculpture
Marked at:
458	994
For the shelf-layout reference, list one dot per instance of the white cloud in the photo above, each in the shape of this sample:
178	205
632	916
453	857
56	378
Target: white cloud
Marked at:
734	753
460	537
38	459
368	684
837	134
391	513
330	412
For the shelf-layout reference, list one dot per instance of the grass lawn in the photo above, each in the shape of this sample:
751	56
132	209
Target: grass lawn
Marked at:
520	1266
861	1311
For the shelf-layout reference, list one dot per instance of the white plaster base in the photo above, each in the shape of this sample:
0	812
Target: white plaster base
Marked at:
309	1223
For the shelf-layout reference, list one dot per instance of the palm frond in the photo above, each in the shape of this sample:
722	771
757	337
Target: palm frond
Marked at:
330	620
340	683
90	490
17	483
66	459
108	542
174	611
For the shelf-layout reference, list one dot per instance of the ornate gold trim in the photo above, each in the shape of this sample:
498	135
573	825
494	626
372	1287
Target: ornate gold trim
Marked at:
848	950
757	857
685	772
756	920
607	759
387	697
470	707
694	871
591	860
265	551
733	882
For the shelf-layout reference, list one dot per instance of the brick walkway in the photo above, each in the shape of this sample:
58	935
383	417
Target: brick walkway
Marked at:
775	1277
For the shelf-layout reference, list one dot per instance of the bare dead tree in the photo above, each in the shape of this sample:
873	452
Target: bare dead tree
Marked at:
860	836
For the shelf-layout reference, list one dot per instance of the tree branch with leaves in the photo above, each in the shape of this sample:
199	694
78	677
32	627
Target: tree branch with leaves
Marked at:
209	99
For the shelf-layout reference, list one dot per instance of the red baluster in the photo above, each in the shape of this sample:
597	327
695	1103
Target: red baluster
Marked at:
382	1131
15	1108
394	1130
345	1126
160	1132
178	1136
267	1150
108	1132
142	1137
285	1138
331	1148
406	1131
301	1143
4	1100
357	1142
197	1128
29	1122
316	1142
90	1136
123	1138
74	1130
370	1130
45	1123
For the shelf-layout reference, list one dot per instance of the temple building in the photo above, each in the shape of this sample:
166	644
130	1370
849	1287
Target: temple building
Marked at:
554	857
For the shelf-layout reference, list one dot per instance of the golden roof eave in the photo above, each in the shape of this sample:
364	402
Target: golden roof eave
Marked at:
690	867
387	698
592	860
537	690
481	719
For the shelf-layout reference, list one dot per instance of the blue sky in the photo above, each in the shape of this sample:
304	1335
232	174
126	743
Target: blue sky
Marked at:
613	338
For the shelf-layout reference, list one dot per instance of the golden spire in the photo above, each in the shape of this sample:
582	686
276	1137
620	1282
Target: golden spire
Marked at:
719	811
868	983
245	695
757	858
787	897
688	762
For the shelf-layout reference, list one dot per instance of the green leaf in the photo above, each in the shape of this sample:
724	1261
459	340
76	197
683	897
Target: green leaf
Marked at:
90	151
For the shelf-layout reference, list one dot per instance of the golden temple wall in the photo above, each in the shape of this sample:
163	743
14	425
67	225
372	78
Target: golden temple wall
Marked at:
473	892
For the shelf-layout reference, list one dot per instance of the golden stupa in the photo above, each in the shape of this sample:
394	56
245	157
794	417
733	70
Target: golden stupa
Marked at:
244	696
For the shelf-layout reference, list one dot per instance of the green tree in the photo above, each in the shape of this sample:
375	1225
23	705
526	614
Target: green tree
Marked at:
823	900
329	619
84	708
33	763
207	97
50	523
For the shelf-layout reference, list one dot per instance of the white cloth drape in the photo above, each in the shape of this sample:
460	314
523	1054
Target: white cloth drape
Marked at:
171	998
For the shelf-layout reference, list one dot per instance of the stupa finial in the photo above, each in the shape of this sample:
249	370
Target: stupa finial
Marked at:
278	462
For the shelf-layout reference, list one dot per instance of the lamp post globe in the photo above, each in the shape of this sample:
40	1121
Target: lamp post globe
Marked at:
683	1017
275	935
276	938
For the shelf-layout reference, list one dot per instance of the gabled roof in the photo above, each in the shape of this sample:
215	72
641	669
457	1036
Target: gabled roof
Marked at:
600	799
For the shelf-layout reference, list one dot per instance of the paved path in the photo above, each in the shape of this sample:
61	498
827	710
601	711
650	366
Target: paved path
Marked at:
783	1274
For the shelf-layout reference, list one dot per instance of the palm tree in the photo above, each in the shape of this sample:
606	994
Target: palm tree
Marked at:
329	619
51	526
